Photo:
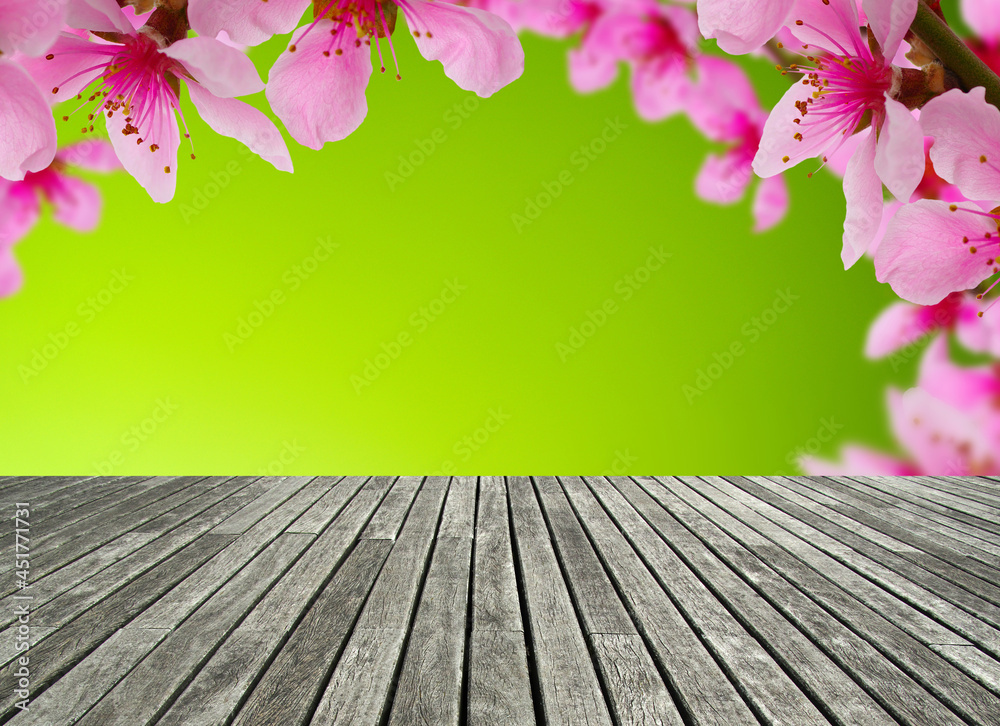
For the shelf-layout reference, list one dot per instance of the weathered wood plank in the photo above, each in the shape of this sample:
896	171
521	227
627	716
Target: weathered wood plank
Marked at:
499	686
390	515
495	603
570	691
429	688
141	697
76	692
459	518
278	490
73	641
219	687
838	593
295	679
774	697
314	519
359	689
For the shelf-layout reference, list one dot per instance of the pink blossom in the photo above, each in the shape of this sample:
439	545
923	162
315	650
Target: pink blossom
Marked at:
75	203
933	248
846	89
28	141
548	18
904	323
137	91
725	109
659	44
742	26
317	86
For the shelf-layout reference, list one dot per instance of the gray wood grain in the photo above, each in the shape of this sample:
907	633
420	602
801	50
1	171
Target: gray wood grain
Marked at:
570	691
277	491
459	518
495	603
974	525
499	687
389	517
429	688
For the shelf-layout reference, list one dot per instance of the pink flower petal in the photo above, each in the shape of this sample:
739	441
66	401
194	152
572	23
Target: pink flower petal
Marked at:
19	211
863	192
321	98
982	17
966	150
590	69
97	15
941	439
898	325
11	277
246	21
479	51
830	25
28	140
923	257
244	123
68	69
223	70
770	203
155	171
660	88
966	389
76	204
29	27
742	26
899	156
723	178
723	103
978	334
778	138
91	155
889	20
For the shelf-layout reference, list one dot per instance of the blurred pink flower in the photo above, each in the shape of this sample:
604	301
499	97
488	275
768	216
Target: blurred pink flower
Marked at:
28	141
933	248
139	79
75	203
317	86
743	26
847	89
725	109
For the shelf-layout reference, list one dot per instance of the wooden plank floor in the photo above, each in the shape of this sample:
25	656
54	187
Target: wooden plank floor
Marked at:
680	601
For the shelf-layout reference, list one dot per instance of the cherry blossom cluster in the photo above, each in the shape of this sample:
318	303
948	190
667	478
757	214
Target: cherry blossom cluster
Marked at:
119	66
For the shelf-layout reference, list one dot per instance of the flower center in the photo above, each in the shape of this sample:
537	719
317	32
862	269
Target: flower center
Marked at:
982	246
370	19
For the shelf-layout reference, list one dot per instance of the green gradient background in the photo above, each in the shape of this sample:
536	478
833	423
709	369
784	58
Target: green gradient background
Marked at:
288	387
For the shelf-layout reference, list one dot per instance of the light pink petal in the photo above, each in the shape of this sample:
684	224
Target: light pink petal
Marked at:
723	178
723	104
832	25
19	210
244	123
75	64
660	88
966	150
76	204
983	17
770	203
941	439
97	15
321	98
899	156
979	334
967	389
590	69
27	28
863	192
28	137
923	257
246	21
479	51
155	171
778	138
889	209
889	20
11	277
857	461
896	326
223	70
837	161
742	26
91	155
